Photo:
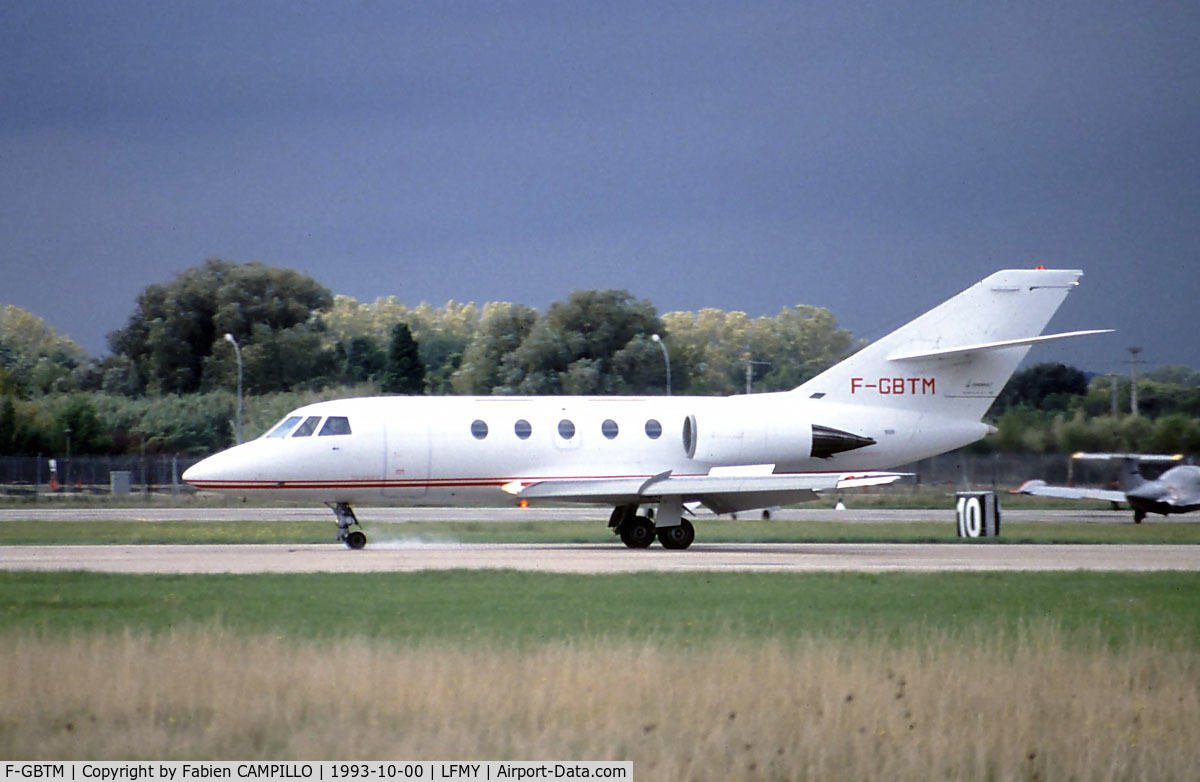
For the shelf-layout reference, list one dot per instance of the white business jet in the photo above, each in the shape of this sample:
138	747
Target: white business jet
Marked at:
917	392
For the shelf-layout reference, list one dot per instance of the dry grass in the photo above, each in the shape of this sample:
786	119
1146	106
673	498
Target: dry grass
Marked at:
821	709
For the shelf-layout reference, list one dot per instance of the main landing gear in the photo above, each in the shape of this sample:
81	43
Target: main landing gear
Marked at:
639	531
678	537
346	519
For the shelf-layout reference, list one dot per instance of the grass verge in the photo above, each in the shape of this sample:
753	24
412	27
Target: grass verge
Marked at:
708	530
694	675
520	609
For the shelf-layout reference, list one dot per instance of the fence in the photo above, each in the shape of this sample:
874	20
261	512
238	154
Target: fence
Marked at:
30	475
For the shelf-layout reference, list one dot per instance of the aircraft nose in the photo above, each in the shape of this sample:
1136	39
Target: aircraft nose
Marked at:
196	472
1151	490
218	470
201	471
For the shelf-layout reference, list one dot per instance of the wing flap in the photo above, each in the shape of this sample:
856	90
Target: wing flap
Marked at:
720	493
1039	488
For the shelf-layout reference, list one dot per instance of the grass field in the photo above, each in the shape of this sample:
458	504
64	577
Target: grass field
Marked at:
697	676
701	676
1032	708
708	530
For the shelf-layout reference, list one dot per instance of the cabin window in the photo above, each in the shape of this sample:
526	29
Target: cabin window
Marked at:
609	428
523	429
335	424
308	427
566	429
653	429
285	426
479	429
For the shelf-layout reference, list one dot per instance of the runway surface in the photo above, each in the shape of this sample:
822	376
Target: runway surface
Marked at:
399	556
367	514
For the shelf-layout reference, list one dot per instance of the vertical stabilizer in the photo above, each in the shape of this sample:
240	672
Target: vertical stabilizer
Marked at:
1131	475
954	359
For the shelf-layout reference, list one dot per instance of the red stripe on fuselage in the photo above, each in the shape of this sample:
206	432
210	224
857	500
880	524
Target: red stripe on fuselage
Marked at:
434	483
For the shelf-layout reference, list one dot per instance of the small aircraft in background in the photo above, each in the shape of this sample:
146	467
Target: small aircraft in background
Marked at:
1177	490
919	391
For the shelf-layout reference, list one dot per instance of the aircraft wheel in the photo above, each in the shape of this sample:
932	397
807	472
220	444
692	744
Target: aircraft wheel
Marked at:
638	532
678	537
356	540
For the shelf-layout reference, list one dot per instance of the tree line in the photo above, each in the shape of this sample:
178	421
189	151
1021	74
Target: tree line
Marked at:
168	382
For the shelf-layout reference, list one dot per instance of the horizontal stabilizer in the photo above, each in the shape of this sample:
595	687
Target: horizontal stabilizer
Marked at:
988	346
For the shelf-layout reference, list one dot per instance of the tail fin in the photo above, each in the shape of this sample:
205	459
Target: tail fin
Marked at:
1131	475
957	357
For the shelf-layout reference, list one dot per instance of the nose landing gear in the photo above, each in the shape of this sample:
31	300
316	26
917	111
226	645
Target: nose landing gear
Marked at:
354	539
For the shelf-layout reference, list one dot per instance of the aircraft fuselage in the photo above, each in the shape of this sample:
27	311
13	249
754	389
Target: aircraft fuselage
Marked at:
464	449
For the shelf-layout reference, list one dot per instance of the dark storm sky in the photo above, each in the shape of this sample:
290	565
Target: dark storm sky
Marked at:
871	158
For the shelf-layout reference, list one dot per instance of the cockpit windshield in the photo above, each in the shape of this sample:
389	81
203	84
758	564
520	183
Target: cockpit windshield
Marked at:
308	427
285	426
292	426
335	424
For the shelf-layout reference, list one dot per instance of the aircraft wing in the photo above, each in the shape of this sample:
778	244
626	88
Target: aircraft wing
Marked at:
719	493
1040	488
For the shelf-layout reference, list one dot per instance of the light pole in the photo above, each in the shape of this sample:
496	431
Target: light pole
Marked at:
67	461
666	358
1133	362
238	350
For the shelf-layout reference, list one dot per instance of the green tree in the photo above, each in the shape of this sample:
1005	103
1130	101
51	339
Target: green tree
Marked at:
442	333
176	327
572	349
1175	375
641	368
279	359
78	419
502	329
1176	433
8	425
712	347
364	360
35	359
404	372
1046	386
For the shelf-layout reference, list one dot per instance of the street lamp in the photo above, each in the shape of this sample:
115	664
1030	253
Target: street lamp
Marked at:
67	461
238	350
666	358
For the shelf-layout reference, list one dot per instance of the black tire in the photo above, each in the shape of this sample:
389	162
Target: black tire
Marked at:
355	540
679	537
637	532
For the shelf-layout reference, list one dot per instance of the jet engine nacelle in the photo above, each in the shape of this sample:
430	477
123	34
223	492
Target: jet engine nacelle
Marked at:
763	438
